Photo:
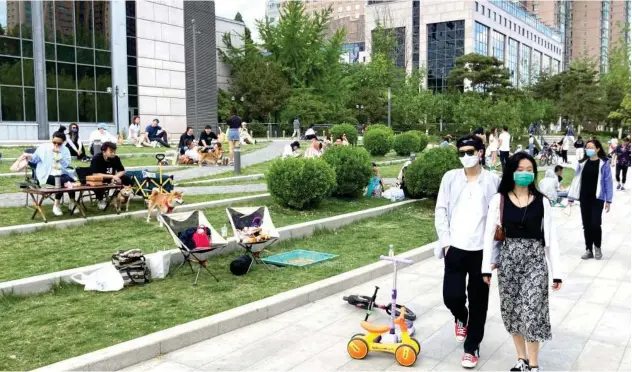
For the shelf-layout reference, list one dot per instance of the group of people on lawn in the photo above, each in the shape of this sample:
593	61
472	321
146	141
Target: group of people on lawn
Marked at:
53	159
316	148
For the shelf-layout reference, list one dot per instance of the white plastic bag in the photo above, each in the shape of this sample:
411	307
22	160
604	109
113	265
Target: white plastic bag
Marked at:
107	279
394	193
158	264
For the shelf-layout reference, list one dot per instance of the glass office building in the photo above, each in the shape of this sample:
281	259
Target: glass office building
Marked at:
445	44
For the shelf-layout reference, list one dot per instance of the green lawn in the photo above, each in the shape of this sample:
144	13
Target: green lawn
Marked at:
184	183
90	321
21	215
50	250
390	171
567	176
148	160
390	156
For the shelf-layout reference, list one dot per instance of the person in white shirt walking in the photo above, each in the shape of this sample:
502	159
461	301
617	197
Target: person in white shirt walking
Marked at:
504	145
460	215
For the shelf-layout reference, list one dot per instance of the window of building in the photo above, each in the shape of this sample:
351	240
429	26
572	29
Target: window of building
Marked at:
483	9
494	16
132	64
446	42
498	45
489	13
78	67
525	66
546	64
399	49
481	37
348	8
512	61
536	65
357	6
476	6
17	81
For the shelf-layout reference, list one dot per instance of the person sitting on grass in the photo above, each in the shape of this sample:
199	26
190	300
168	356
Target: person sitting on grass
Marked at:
310	133
315	150
53	160
184	139
107	165
191	155
289	151
100	134
156	134
244	137
206	139
376	186
74	143
550	186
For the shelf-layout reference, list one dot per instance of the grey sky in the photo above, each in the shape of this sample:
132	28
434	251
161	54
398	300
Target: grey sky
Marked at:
250	10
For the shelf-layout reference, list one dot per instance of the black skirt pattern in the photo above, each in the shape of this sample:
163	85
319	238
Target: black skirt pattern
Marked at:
523	280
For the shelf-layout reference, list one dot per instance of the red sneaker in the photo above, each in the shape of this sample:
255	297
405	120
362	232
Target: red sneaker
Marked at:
469	360
460	331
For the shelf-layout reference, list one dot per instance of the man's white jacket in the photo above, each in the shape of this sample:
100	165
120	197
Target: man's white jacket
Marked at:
452	185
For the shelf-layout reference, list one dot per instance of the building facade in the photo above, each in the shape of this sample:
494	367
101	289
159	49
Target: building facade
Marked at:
434	33
590	28
105	61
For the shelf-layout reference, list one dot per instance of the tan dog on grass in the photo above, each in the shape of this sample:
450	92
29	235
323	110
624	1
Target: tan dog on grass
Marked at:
123	197
165	202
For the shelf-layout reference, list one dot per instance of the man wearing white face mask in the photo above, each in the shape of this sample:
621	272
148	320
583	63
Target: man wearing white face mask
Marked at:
460	216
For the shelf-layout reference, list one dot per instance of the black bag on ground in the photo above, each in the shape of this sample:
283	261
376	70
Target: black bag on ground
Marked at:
240	265
132	266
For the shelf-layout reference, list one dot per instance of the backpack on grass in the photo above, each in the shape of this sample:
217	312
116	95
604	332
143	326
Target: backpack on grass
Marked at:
132	266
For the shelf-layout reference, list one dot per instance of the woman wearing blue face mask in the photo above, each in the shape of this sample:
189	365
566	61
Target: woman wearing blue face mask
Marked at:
592	186
527	253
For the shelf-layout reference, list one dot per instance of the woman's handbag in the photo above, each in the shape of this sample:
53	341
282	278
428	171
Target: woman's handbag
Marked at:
20	164
499	235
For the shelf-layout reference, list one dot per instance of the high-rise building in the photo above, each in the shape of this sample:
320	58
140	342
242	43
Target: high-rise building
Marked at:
590	27
433	33
273	10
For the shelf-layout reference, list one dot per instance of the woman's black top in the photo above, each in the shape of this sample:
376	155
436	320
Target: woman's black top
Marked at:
184	138
234	122
588	185
524	222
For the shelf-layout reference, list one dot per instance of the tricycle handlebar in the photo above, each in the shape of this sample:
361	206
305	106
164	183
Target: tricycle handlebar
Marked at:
396	259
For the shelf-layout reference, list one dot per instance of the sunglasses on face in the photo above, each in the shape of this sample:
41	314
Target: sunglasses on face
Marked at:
468	153
57	143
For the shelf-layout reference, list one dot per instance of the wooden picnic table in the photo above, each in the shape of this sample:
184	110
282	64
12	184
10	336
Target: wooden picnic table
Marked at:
38	195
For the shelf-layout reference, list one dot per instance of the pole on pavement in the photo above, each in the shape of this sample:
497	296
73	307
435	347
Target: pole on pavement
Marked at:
389	107
237	159
195	73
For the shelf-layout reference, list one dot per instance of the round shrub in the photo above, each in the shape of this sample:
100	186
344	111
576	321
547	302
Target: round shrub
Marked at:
300	183
379	127
377	142
405	143
423	176
423	139
352	166
349	130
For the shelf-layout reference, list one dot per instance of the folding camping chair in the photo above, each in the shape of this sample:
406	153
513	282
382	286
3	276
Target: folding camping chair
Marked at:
178	223
144	182
249	220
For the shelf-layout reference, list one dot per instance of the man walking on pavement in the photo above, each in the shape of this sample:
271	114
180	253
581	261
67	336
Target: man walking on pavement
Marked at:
460	216
297	128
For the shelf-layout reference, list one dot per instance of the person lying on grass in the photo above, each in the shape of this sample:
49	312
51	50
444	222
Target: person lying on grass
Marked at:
109	166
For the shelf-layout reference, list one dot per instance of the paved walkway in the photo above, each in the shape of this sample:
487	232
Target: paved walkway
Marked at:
273	150
590	318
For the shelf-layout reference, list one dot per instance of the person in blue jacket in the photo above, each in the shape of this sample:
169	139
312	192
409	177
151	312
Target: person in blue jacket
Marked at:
593	187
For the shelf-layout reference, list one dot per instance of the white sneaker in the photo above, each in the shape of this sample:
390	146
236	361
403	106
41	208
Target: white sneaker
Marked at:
139	145
101	205
57	211
154	144
74	205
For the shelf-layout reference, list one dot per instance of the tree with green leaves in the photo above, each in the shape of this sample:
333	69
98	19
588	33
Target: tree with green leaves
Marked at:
238	17
616	83
304	104
485	74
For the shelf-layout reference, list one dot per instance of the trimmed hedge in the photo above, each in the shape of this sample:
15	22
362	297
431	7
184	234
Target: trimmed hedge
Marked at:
349	130
300	183
377	142
423	139
405	143
353	169
423	176
379	127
